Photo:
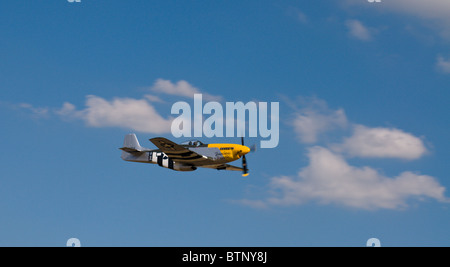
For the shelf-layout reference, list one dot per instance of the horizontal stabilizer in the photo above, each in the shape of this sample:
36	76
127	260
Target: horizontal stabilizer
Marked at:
130	150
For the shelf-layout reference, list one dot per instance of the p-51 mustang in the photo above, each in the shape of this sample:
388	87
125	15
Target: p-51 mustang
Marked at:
187	156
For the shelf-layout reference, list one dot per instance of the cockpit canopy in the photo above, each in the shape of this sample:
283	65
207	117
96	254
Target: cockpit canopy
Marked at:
192	143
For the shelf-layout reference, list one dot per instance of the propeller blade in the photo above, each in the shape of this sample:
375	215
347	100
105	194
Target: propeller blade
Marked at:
244	166
244	161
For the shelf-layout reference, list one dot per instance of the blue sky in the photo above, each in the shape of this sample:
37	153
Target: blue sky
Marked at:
364	124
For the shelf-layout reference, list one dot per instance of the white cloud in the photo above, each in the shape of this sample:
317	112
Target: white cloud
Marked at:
434	12
129	113
382	143
443	64
181	88
315	120
133	114
312	121
329	179
358	31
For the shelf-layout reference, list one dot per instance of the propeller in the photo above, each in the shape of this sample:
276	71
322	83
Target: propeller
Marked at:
244	161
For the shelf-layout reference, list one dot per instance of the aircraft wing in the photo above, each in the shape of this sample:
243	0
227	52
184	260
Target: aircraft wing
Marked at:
226	167
178	153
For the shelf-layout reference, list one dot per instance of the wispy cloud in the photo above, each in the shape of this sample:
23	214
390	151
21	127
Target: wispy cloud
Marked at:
311	121
301	16
358	30
434	13
181	88
37	112
443	64
154	99
297	14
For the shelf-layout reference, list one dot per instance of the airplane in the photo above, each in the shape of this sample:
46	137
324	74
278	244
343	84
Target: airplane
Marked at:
187	156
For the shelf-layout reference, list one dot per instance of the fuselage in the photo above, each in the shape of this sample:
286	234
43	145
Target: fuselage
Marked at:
218	153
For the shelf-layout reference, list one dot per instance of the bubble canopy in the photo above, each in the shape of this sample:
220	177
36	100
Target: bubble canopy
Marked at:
192	143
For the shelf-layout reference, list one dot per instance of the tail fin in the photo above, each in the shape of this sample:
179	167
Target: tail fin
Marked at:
131	144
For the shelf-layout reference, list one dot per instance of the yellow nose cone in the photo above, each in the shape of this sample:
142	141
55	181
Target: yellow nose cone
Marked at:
245	150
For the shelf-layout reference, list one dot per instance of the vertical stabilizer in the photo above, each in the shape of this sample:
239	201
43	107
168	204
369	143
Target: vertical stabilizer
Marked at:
131	144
